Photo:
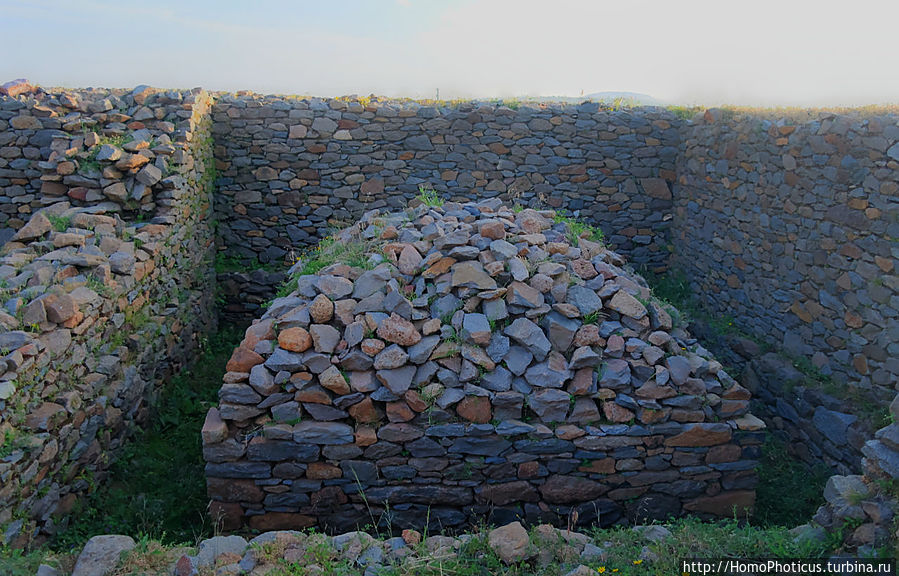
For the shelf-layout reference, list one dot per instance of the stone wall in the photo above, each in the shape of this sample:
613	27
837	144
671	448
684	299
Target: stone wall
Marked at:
290	168
473	362
787	225
106	289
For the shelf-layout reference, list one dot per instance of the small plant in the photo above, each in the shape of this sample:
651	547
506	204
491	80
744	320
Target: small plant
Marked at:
578	229
60	223
592	318
429	197
9	444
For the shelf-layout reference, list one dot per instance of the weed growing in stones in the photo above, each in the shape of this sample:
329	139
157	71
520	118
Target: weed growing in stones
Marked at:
429	197
9	443
60	223
156	488
578	229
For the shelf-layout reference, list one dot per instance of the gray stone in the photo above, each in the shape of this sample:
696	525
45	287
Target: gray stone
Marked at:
101	555
518	359
371	282
503	249
585	299
550	374
283	360
323	125
471	274
421	143
561	330
845	490
678	368
550	404
476	329
498	347
530	336
325	433
212	548
584	357
480	446
497	380
335	287
397	380
391	357
324	338
833	425
615	374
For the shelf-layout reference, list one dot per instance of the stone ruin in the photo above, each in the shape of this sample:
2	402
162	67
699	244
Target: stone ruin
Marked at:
473	361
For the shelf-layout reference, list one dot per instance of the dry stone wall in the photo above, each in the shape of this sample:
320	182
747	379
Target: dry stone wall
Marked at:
788	225
104	294
473	362
290	168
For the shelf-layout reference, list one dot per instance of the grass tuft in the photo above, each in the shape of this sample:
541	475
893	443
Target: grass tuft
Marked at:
429	197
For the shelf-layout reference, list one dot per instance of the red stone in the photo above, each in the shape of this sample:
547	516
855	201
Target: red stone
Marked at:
399	412
475	409
234	490
397	329
281	521
243	360
322	471
701	435
295	339
328	497
364	412
16	87
616	413
601	466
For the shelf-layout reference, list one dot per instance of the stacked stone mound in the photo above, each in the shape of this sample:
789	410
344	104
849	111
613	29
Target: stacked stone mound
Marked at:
483	366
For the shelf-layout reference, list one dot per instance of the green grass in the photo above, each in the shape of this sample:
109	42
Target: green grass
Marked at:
331	250
578	229
60	223
9	442
690	538
592	318
429	197
157	487
15	562
789	490
355	252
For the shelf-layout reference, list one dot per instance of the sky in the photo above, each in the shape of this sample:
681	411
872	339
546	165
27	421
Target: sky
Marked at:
688	52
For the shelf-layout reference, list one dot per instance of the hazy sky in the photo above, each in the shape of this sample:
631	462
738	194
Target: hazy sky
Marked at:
787	52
